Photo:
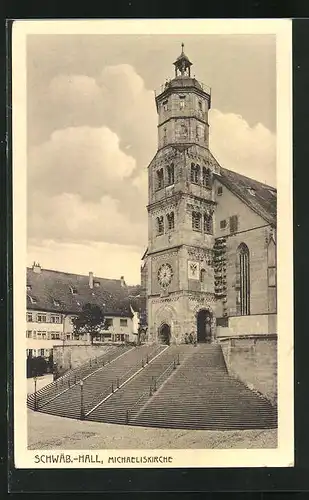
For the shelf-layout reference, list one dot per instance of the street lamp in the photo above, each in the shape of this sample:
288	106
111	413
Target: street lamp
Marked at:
82	411
35	394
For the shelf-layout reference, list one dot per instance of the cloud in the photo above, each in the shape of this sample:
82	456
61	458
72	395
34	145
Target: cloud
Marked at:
82	160
250	151
88	180
104	259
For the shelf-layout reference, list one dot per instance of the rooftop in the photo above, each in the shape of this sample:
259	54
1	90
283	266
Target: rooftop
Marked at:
56	291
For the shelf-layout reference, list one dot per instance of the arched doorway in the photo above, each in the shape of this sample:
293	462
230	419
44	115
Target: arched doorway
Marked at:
204	318
165	334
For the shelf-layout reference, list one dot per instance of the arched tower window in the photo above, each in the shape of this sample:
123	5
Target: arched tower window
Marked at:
160	178
206	177
160	225
243	272
202	276
208	223
195	173
170	174
170	221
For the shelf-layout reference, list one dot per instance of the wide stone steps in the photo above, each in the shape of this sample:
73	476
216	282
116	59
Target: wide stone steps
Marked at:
197	397
126	402
74	376
99	384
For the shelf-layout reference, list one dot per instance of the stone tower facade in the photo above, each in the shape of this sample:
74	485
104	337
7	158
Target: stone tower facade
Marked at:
180	272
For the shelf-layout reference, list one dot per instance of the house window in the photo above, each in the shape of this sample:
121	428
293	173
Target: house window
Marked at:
29	317
123	322
219	190
160	178
170	221
68	336
34	334
41	352
208	223
55	336
108	322
170	174
233	224
41	318
44	335
29	334
196	221
29	353
206	179
243	271
160	225
195	173
222	224
55	319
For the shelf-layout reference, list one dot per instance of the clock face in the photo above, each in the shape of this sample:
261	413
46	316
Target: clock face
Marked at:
165	274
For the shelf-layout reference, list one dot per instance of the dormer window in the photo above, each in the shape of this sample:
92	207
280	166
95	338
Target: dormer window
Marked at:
96	284
251	191
56	303
28	287
73	290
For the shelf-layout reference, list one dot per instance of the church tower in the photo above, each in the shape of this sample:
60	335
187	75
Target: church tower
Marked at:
180	274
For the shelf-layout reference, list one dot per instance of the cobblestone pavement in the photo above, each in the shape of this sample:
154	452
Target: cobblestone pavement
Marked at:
50	432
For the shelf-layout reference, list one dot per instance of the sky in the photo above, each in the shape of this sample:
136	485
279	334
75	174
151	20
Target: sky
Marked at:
92	131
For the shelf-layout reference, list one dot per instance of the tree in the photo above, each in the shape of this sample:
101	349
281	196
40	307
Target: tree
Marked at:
90	320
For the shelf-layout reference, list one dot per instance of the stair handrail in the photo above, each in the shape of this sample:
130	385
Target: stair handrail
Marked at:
152	387
77	374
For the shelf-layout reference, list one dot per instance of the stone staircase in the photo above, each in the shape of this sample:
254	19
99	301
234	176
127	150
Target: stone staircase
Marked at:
201	394
121	406
72	377
100	383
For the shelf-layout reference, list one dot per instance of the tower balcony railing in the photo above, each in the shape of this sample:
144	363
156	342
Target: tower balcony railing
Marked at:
163	87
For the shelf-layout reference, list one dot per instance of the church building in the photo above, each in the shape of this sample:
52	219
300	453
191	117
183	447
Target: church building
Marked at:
210	265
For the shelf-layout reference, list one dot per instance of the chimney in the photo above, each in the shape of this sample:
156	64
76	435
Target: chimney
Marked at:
122	282
91	280
36	268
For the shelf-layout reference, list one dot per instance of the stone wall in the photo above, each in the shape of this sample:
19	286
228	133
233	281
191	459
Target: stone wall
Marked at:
68	357
254	361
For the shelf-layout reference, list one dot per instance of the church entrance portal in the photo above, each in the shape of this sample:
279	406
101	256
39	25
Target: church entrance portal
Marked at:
165	334
204	326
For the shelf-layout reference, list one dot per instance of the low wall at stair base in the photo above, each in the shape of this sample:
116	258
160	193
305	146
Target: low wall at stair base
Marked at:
68	357
253	360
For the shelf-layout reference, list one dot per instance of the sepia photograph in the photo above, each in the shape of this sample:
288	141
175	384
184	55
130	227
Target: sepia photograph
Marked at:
153	288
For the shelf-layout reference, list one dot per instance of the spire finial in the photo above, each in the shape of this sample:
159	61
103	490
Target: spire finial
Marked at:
182	47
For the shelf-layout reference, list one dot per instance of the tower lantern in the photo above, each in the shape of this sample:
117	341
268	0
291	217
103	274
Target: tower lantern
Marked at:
182	65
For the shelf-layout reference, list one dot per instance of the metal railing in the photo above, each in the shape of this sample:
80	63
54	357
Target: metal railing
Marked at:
70	379
155	383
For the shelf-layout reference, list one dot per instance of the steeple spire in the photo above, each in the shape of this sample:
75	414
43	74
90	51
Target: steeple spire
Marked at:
182	64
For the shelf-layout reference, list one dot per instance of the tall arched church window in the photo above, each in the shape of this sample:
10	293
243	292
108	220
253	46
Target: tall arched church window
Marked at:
170	221
243	280
170	174
195	173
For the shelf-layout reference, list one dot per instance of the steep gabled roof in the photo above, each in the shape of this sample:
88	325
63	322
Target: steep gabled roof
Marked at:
52	291
260	197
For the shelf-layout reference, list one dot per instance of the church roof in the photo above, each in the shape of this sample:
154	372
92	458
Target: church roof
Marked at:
56	291
260	197
183	82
